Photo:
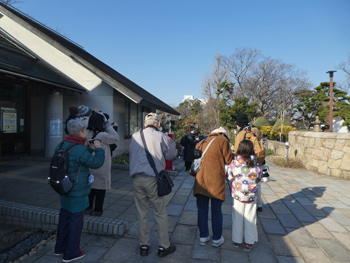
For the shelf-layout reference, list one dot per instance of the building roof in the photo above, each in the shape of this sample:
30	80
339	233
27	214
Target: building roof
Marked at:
148	99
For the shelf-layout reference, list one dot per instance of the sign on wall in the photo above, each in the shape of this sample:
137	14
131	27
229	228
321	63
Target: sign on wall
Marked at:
9	120
55	127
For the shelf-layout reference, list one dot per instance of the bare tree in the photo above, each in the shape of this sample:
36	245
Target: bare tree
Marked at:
345	67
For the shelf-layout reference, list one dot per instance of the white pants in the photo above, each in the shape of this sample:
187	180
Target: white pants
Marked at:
244	222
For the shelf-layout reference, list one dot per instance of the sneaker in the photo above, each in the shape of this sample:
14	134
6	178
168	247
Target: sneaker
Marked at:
162	252
259	209
248	247
219	242
266	179
236	244
58	254
97	213
144	250
203	240
82	254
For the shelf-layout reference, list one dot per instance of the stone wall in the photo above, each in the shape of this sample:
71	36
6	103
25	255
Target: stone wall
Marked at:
322	152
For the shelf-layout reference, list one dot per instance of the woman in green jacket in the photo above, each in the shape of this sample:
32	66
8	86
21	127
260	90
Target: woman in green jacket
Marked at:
76	201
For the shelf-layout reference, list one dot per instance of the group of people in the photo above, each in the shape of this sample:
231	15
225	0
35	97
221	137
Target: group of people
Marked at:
95	138
94	135
240	168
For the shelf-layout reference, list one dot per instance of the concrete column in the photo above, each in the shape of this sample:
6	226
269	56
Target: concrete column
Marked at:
53	122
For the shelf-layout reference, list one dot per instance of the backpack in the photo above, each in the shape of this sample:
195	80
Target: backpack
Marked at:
58	178
258	146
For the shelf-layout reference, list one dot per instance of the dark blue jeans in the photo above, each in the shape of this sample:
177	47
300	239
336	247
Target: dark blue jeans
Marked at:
216	216
69	230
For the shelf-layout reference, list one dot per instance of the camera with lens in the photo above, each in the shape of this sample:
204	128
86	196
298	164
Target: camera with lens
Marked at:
92	141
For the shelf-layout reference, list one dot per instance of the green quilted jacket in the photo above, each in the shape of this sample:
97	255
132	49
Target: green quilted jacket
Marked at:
77	200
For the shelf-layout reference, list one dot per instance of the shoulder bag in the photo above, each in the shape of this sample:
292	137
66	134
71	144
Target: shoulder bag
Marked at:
164	182
196	164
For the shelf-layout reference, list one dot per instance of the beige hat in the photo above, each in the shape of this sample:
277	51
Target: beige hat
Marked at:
220	130
152	116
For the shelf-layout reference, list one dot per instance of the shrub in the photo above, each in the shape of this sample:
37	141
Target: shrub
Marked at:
122	159
275	134
278	124
265	130
261	122
269	152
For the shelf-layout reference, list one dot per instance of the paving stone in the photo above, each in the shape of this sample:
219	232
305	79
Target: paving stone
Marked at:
283	259
301	238
174	210
334	250
267	212
340	218
189	218
338	204
272	226
317	230
312	255
331	225
280	208
240	256
179	200
207	252
304	201
184	234
262	253
121	250
282	245
102	241
288	220
191	205
343	238
316	211
94	253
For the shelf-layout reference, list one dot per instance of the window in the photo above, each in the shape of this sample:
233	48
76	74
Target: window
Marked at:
127	119
133	118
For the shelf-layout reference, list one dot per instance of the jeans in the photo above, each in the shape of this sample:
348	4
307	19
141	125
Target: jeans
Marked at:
69	230
216	216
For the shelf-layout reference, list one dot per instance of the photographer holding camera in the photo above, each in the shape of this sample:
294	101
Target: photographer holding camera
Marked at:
100	129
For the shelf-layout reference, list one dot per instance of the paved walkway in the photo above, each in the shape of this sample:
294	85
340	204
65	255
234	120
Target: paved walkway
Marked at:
305	218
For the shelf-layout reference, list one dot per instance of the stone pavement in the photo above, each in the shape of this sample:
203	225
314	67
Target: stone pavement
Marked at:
305	218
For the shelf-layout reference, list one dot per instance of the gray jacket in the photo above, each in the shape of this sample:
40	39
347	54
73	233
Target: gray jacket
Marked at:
160	146
103	174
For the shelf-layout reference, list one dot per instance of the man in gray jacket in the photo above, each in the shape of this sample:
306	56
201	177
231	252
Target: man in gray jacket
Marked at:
162	148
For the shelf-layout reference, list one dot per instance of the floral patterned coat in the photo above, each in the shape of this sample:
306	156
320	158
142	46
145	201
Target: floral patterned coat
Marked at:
244	179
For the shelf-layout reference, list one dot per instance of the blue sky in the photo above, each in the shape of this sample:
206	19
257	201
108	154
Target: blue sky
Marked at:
168	46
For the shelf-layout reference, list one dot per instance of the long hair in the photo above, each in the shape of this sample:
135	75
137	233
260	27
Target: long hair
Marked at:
96	123
246	149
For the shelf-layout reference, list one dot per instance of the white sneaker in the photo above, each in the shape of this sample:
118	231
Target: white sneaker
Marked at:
266	179
219	242
203	240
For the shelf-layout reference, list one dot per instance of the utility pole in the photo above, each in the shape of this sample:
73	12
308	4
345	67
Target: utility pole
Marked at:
331	100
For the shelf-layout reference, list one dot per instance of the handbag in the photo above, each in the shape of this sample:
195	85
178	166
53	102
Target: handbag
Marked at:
196	164
164	182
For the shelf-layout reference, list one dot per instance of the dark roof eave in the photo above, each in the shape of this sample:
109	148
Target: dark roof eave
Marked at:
157	107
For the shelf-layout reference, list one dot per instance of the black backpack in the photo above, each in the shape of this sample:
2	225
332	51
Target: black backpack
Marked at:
58	178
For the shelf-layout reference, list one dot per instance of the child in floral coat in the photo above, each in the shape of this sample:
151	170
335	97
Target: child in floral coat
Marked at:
244	173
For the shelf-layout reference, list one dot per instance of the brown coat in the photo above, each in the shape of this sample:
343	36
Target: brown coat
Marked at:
210	180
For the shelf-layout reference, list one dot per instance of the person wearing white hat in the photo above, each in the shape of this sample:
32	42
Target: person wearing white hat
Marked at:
210	184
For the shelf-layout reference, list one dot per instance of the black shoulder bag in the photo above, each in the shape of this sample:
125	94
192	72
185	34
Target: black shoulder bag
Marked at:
164	182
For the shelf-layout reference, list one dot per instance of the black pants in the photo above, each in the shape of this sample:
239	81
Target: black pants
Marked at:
188	165
98	196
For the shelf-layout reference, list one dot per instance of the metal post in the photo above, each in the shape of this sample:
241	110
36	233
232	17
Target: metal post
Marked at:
331	100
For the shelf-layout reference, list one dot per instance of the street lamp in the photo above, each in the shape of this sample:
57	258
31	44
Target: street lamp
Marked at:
287	148
331	100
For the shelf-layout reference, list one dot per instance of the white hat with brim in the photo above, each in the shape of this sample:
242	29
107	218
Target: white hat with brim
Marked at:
220	130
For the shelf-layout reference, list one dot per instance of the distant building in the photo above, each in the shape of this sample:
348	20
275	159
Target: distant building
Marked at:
191	97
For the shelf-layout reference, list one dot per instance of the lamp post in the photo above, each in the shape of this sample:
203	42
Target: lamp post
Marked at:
331	100
287	148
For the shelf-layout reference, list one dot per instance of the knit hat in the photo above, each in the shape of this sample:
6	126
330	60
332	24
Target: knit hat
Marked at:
152	116
84	111
242	120
220	130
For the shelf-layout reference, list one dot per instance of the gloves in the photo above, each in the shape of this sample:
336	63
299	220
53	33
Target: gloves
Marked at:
91	179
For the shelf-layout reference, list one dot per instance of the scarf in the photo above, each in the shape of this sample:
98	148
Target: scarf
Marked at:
75	139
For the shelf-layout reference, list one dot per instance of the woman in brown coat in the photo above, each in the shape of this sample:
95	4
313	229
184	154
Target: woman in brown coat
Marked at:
210	184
